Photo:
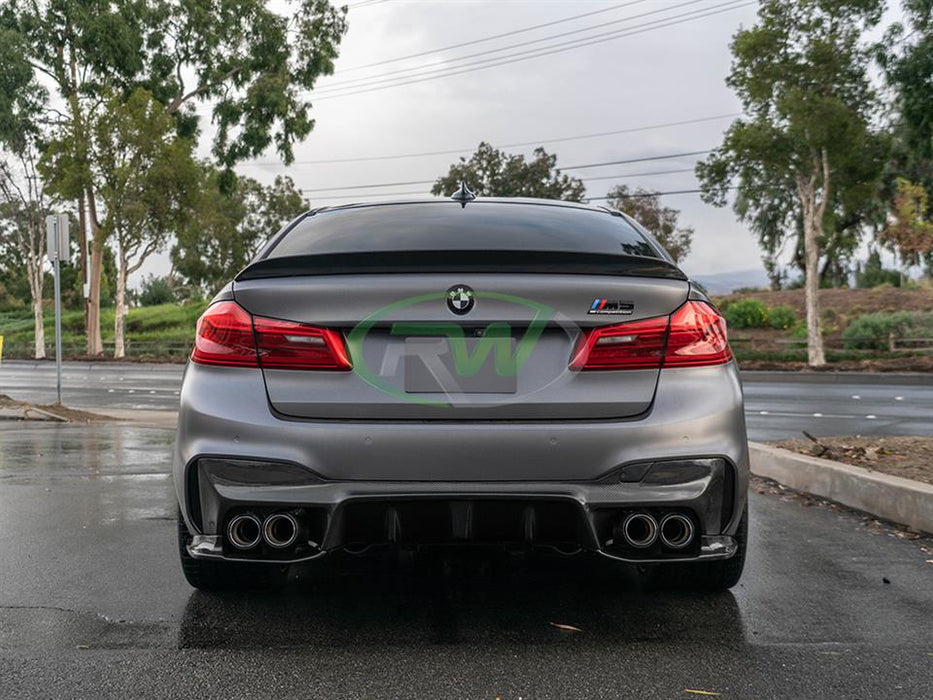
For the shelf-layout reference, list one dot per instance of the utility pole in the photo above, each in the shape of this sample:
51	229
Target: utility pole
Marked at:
59	250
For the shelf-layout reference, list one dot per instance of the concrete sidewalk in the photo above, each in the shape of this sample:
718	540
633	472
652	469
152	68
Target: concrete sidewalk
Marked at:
890	497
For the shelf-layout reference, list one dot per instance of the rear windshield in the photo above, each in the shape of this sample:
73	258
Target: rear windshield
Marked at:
446	226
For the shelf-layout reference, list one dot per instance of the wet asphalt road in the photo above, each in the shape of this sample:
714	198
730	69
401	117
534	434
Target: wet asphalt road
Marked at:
93	604
778	405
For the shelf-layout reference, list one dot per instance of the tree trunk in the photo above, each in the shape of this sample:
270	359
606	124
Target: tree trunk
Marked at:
813	213
40	328
95	345
83	267
119	319
811	231
34	273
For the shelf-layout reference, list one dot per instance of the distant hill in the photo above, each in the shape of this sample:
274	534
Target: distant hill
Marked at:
725	282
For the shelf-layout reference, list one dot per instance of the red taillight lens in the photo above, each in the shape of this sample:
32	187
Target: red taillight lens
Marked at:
288	345
693	336
225	337
636	345
229	336
697	337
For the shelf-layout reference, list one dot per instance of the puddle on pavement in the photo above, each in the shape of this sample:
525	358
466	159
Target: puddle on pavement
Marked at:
84	450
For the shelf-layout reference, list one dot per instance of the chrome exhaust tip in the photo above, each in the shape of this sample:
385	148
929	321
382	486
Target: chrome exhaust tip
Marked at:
280	530
676	530
244	531
640	530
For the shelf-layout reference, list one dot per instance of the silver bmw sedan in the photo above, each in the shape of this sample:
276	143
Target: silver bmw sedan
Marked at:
527	374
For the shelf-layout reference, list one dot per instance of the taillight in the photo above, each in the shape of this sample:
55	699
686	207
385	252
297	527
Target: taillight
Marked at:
288	345
635	345
228	335
225	337
697	337
693	336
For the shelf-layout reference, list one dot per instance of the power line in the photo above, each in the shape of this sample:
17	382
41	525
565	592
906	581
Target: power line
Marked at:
649	194
370	186
635	160
623	177
583	179
364	3
490	38
569	167
537	53
379	79
539	142
638	195
444	62
406	193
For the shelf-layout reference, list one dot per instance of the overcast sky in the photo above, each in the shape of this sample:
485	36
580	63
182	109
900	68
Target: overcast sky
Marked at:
655	75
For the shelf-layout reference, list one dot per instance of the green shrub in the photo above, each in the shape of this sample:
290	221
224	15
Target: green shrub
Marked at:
874	275
872	330
747	313
799	330
155	291
782	317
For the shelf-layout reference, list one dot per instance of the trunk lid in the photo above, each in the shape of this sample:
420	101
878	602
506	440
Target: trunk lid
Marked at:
418	356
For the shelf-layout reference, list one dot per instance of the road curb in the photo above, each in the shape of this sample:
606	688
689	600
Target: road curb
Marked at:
890	497
833	377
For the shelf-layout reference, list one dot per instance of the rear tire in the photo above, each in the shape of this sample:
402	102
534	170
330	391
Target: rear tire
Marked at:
708	575
211	575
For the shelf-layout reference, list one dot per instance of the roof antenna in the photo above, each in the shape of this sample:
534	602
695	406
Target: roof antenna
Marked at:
463	195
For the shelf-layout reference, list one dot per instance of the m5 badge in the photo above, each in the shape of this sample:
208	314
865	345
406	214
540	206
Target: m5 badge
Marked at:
612	307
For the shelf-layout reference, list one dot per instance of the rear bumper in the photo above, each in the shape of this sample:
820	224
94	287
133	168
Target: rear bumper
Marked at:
564	516
224	415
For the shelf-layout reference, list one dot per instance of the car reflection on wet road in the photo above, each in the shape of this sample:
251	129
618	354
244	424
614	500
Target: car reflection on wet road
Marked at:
92	604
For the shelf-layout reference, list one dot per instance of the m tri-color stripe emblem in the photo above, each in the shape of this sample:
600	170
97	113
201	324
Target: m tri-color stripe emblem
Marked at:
611	306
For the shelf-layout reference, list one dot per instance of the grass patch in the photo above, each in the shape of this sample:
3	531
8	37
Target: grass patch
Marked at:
152	331
800	355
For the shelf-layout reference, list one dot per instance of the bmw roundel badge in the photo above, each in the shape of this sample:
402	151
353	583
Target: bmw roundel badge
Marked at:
460	299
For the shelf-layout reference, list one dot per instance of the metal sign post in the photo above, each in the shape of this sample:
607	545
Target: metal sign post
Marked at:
59	248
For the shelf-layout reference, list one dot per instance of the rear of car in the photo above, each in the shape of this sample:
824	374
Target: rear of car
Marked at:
516	373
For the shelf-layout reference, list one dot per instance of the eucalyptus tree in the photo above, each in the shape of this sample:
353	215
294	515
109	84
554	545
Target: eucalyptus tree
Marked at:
909	231
146	179
806	144
490	172
23	198
250	65
663	222
228	227
907	57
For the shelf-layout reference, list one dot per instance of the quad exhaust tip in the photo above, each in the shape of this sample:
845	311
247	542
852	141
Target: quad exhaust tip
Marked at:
640	530
280	530
244	531
676	530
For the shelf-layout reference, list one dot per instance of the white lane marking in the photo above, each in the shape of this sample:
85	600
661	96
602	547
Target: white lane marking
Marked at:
898	398
871	417
856	397
788	414
762	413
817	415
132	391
110	391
